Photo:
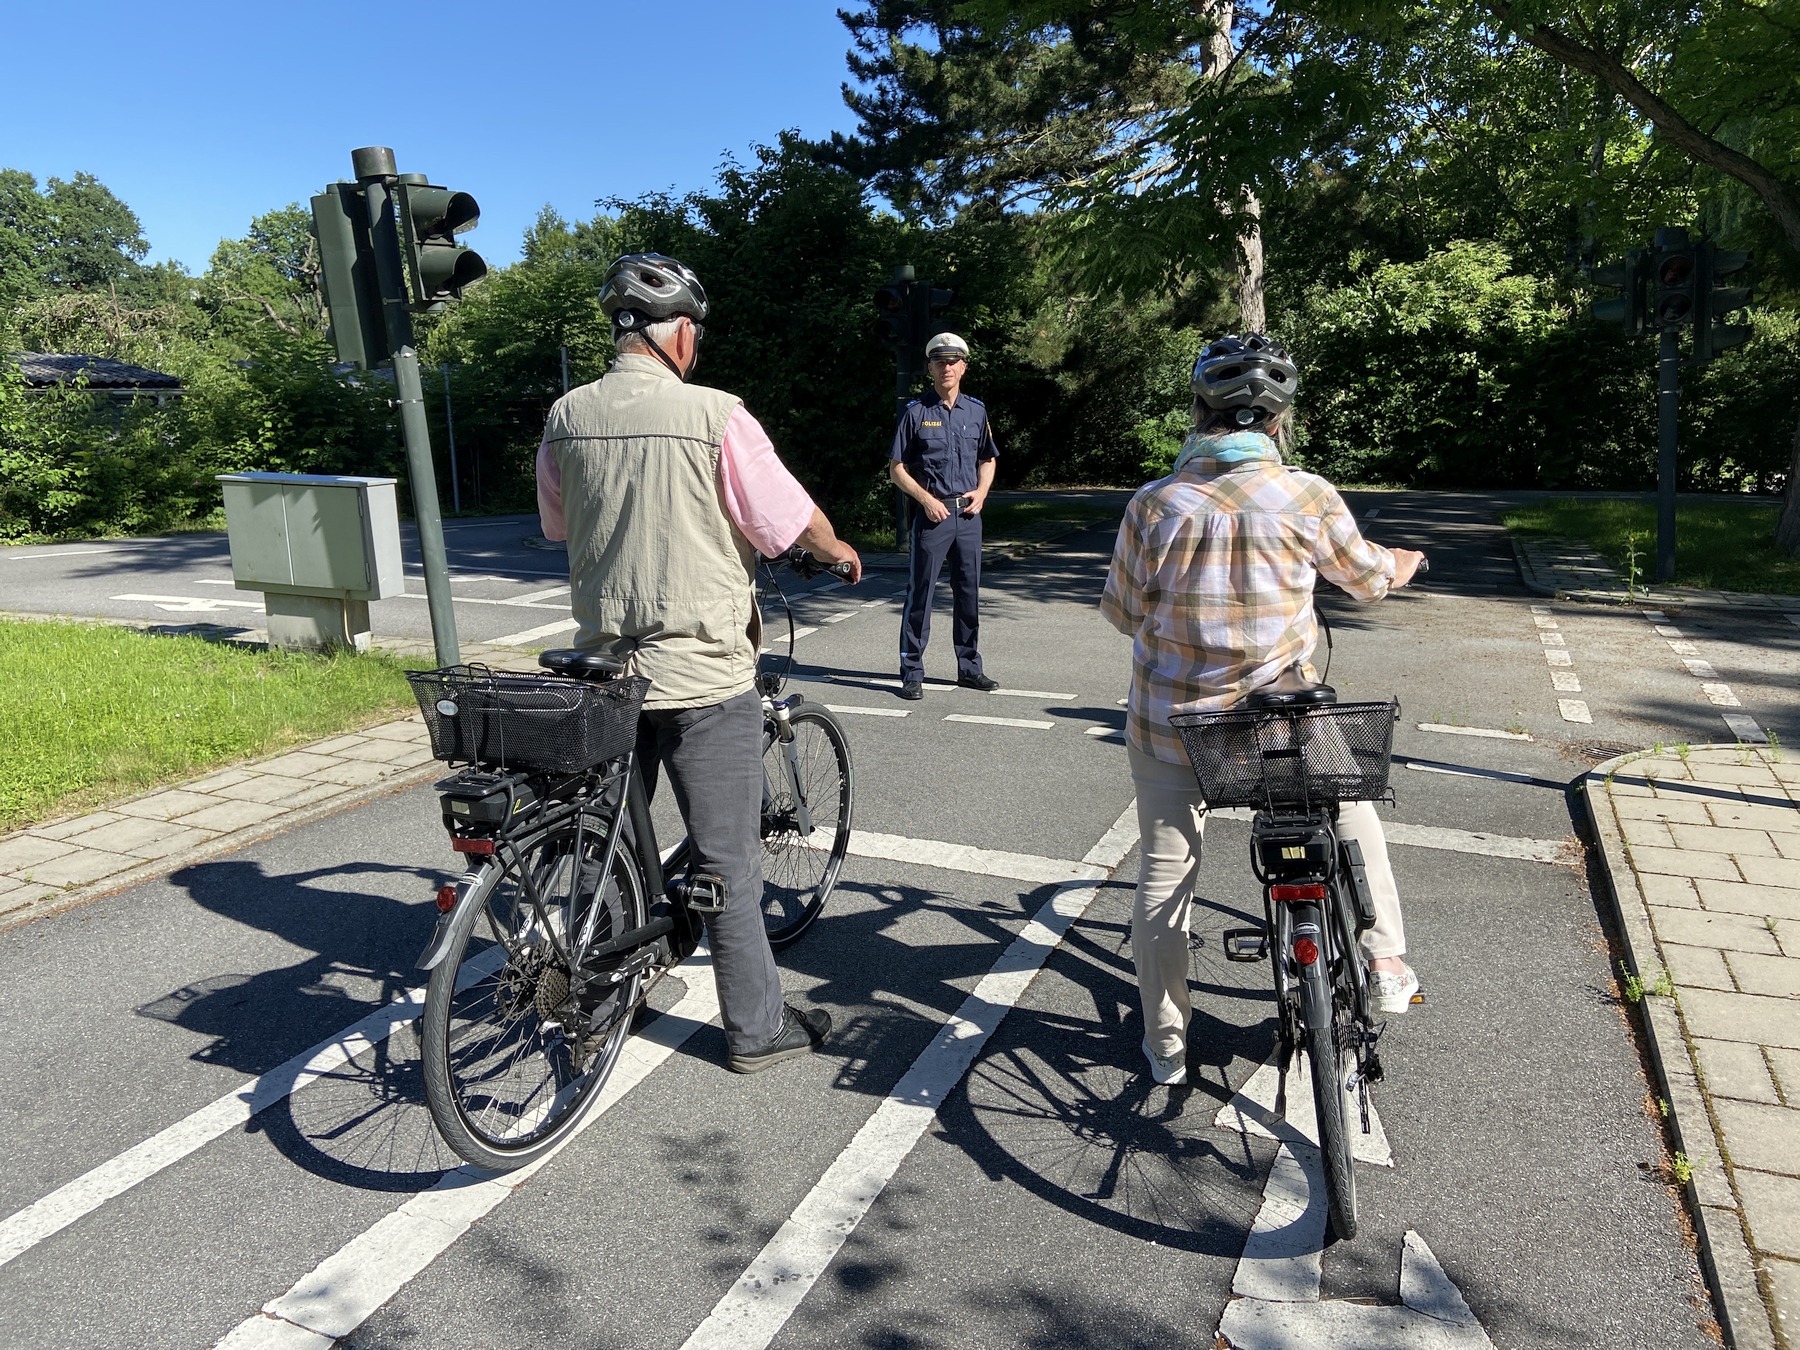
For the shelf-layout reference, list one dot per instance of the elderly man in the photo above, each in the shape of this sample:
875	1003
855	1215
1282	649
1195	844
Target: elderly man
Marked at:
666	491
943	458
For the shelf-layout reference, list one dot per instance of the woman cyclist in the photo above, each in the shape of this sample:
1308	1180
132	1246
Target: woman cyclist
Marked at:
1212	579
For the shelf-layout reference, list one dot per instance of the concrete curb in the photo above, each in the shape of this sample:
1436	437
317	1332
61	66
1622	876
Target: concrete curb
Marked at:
1744	1314
1666	597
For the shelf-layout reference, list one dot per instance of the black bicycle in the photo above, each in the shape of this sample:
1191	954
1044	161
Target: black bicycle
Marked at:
569	914
1294	755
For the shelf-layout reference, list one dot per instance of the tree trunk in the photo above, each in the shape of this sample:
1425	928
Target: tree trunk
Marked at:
1787	529
1247	279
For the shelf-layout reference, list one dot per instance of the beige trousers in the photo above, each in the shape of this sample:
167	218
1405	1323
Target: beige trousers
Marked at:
1171	825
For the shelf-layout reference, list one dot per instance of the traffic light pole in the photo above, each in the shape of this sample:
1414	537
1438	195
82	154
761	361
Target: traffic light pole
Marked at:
1668	396
374	167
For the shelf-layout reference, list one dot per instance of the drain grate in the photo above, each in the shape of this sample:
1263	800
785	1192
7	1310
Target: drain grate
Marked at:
1598	752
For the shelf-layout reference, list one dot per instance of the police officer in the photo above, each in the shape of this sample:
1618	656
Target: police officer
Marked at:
943	459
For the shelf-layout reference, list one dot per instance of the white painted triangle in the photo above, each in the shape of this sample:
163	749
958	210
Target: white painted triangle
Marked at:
1252	1111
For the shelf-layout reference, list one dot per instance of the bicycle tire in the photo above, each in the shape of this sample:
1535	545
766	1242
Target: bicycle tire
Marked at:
505	1080
799	871
1319	1014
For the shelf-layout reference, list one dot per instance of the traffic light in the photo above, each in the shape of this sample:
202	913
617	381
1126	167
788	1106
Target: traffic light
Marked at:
927	302
1674	268
347	270
437	267
894	317
1629	311
1713	301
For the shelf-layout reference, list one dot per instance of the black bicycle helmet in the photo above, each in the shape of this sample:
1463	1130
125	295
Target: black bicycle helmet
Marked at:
645	288
1250	378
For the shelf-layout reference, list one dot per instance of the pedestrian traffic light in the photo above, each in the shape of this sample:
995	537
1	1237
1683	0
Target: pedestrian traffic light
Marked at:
437	267
348	273
1674	270
1712	301
1628	311
926	301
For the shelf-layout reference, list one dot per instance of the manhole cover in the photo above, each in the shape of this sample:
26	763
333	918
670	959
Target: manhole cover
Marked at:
1598	752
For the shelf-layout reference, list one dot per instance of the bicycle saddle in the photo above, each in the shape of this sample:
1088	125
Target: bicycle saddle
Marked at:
580	665
1291	690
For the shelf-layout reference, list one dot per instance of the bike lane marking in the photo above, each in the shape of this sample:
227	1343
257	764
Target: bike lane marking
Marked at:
1741	724
342	1291
754	1310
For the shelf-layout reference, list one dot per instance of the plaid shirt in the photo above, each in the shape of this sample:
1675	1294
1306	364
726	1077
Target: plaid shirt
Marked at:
1212	579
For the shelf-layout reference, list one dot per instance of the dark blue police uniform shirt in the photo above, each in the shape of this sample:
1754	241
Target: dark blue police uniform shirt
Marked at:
941	447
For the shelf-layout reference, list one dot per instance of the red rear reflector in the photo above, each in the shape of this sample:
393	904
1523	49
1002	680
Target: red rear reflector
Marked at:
1311	891
1306	951
446	899
464	845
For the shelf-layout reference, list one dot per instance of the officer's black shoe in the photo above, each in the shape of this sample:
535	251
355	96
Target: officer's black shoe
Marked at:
981	682
801	1033
913	689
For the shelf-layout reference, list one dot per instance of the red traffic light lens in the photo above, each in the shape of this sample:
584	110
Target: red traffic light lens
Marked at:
1675	271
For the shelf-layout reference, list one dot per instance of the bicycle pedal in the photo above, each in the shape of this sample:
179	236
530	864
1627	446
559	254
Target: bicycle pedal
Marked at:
704	893
1245	944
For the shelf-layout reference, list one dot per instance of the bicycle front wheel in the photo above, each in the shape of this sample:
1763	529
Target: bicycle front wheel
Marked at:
808	794
516	1049
1319	1015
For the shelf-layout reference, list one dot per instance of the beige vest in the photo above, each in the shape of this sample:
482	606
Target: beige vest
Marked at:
662	578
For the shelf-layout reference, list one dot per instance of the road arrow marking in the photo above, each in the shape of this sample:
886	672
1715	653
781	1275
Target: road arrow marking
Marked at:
1277	1282
190	604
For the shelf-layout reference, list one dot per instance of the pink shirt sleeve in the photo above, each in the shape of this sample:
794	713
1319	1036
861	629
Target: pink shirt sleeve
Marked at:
549	490
762	498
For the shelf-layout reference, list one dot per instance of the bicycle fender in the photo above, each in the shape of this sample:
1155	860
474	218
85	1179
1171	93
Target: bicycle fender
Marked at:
436	949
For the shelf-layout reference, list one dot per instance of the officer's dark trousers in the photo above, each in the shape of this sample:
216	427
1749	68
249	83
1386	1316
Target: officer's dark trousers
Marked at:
714	758
957	538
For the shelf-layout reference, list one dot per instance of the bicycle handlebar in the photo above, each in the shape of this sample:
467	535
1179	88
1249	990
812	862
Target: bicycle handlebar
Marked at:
807	565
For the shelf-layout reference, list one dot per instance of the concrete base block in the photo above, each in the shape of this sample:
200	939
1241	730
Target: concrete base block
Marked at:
314	622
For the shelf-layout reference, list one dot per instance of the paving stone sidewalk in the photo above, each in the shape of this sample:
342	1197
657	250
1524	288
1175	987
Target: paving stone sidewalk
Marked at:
52	866
1702	846
1570	570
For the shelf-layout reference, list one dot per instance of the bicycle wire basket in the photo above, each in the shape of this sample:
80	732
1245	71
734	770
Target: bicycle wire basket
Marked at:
1295	757
540	723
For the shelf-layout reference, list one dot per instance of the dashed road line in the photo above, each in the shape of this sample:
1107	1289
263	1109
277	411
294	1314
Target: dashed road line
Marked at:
1106	733
1565	681
1491	733
1024	723
1716	692
839	618
1746	728
533	634
1557	656
1700	670
866	712
1574	710
1720	695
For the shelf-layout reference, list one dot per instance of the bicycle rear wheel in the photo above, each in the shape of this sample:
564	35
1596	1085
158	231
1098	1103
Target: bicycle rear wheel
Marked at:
801	865
1321	1019
513	1058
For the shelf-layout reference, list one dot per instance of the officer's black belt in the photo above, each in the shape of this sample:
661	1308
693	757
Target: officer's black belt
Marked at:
956	504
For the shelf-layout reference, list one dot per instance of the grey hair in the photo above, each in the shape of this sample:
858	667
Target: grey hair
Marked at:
662	332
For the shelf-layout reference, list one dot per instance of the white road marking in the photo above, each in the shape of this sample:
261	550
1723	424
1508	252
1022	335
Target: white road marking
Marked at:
754	1310
951	684
1542	609
1489	732
1041	694
1745	728
1720	696
968	858
1554	851
839	618
1552	639
342	1291
867	712
1565	681
1278	1278
1544	622
1465	771
1663	630
1119	840
1654	615
803	632
1556	656
533	634
1574	710
535	596
1105	733
1684	649
482	600
1026	723
1700	670
211	581
61	553
190	604
878	600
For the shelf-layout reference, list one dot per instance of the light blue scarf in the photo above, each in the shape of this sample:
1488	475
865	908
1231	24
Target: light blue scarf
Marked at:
1231	447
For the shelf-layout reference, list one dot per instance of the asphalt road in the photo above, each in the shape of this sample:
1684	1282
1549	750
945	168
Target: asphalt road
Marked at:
1056	1197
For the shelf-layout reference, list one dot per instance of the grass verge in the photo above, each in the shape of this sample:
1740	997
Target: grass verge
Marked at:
91	713
1719	546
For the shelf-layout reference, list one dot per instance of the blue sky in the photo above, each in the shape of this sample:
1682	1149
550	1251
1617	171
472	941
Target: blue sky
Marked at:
201	116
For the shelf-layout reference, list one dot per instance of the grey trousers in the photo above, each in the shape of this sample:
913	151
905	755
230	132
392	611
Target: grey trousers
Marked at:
714	758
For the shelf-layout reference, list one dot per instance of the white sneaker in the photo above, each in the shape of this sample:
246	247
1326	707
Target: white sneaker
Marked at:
1391	994
1170	1069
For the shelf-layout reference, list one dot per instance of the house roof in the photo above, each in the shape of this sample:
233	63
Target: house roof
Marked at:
47	368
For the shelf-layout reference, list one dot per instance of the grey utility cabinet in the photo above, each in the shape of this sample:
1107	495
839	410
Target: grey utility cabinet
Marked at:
319	547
